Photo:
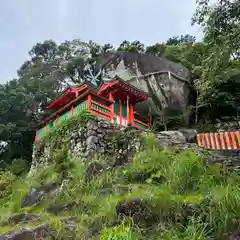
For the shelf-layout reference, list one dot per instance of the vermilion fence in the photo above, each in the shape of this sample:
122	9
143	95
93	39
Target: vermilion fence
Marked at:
100	110
140	124
219	140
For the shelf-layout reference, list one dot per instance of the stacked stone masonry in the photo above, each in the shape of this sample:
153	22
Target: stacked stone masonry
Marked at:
97	137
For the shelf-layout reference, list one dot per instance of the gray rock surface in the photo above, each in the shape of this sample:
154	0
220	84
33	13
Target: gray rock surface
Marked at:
36	195
43	232
166	82
189	134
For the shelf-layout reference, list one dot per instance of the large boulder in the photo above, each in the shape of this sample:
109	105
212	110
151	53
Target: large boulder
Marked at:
170	138
166	82
189	134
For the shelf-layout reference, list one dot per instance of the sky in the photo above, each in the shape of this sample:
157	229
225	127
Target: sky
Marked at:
23	23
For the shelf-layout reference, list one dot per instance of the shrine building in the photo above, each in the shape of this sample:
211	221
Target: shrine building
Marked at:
112	100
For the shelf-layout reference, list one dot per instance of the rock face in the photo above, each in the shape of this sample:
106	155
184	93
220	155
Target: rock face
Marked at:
189	134
166	82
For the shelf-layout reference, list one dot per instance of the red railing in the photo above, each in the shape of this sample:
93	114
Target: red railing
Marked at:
140	124
100	110
219	140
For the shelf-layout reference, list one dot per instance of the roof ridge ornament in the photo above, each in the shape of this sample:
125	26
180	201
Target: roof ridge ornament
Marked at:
94	79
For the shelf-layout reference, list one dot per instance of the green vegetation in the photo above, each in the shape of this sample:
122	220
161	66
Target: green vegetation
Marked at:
160	194
57	136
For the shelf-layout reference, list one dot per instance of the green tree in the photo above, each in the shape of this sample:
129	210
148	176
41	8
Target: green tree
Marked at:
182	39
134	46
15	127
221	23
157	49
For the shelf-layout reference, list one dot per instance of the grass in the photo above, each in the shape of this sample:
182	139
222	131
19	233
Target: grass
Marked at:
182	197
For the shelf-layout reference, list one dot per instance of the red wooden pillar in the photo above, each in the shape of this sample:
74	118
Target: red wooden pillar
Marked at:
128	111
217	141
89	102
130	115
212	141
120	111
223	145
207	140
111	106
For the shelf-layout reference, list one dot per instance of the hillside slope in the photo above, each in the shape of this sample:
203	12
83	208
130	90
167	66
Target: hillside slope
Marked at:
154	193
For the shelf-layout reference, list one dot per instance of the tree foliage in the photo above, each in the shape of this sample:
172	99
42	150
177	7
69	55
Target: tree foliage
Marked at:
220	23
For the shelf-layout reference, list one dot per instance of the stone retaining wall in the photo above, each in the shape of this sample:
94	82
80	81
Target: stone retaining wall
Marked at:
99	137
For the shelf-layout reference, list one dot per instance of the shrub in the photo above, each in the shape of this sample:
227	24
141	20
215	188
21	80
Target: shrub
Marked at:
20	189
222	210
185	172
151	142
19	166
58	134
148	163
121	232
75	184
7	178
195	230
46	175
213	176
